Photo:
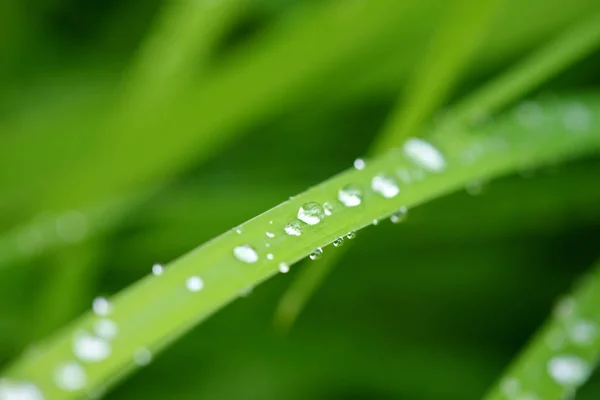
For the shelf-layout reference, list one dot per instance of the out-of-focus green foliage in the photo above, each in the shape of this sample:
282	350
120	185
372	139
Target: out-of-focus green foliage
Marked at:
277	96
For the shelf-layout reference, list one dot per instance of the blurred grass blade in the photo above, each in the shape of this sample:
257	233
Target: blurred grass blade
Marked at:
563	354
483	102
578	42
155	311
461	31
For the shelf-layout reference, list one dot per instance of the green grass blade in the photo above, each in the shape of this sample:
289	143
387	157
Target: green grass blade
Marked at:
158	309
562	355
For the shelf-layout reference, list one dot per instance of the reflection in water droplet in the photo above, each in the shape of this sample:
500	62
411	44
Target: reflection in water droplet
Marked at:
270	256
328	208
350	196
194	284
424	155
157	269
90	348
14	390
294	228
270	234
385	186
142	356
351	235
69	376
399	215
246	253
106	328
568	370
283	267
238	231
338	242
101	306
359	164
311	213
315	255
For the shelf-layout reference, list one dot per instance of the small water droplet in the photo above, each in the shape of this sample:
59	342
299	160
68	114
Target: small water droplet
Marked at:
385	186
311	213
270	256
568	370
267	244
315	255
283	267
582	332
14	390
475	187
157	269
564	308
69	376
238	231
359	164
375	221
399	215
529	114
246	253
194	284
424	155
270	234
351	235
338	242
90	348
350	196
510	387
271	222
106	328
328	208
101	306
142	356
294	228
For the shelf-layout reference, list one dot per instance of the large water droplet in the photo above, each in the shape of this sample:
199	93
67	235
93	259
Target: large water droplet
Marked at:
101	306
385	186
246	253
311	213
142	356
194	284
399	215
569	370
13	390
338	242
69	376
90	348
350	196
315	255
106	328
424	155
360	164
294	228
284	267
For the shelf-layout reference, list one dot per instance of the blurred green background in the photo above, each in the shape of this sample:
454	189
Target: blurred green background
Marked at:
131	132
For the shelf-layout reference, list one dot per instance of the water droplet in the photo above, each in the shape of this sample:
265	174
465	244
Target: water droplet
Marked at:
375	221
270	234
270	256
510	387
194	284
564	308
475	187
271	222
101	306
238	231
350	196
385	186
69	376
328	208
568	370
399	215
142	356
424	155
90	348
311	213
338	242
283	267
71	226
315	255
267	244
157	269
293	228
351	235
246	253
246	291
577	117
582	332
13	390
360	164
529	114
106	328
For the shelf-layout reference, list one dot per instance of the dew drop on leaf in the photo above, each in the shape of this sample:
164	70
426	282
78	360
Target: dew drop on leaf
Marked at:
69	376
338	242
351	235
157	269
90	348
194	284
101	306
315	255
360	164
399	215
311	213
283	267
270	234
327	209
385	186
246	253
10	390
350	195
293	228
142	356
424	155
106	328
568	370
